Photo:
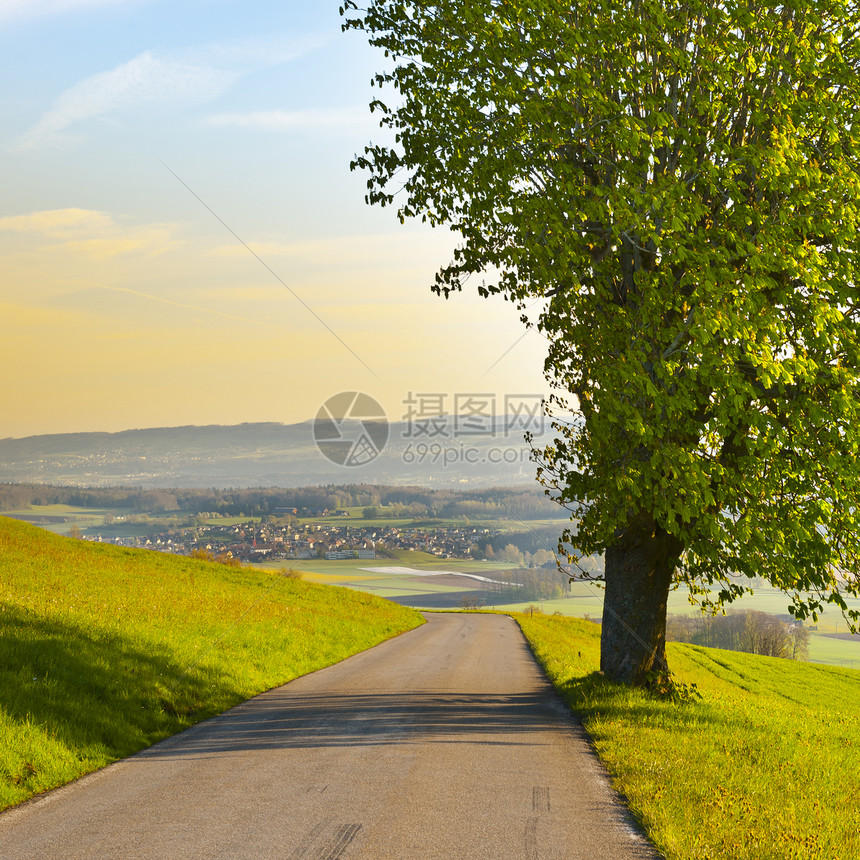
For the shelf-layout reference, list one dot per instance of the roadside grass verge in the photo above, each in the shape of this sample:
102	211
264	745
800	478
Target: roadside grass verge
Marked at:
766	766
105	650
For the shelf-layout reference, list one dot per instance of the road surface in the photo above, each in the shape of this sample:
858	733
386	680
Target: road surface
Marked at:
446	742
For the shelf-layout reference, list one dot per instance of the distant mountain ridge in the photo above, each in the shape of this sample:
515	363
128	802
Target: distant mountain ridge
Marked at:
265	454
60	443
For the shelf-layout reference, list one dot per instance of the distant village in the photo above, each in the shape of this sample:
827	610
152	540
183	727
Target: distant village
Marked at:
266	541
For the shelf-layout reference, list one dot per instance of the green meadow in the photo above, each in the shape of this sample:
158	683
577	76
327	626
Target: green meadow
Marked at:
105	650
764	766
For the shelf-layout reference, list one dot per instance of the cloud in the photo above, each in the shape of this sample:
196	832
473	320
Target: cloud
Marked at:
245	293
191	76
288	121
144	79
253	54
58	223
86	232
151	242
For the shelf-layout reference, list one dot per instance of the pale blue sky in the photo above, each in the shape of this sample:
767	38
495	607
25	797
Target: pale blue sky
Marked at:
125	303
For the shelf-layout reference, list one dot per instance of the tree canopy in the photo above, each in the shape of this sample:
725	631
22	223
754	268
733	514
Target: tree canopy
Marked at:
679	182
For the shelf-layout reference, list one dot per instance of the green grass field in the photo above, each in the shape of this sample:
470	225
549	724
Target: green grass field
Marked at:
60	519
766	766
231	521
105	650
356	518
823	649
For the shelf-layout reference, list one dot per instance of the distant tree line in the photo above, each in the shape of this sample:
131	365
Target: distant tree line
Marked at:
748	630
531	540
524	584
502	503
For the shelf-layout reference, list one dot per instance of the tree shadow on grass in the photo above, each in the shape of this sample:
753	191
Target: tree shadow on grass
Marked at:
100	693
594	694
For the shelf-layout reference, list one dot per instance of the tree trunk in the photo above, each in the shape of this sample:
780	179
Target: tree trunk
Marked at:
638	572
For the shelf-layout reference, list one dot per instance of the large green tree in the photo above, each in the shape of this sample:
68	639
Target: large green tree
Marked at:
680	182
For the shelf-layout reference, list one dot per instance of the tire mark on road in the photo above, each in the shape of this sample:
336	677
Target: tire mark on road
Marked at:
301	850
339	842
531	848
333	843
540	798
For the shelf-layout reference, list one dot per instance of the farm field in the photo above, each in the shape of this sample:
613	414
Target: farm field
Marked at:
385	578
823	649
105	650
60	518
762	767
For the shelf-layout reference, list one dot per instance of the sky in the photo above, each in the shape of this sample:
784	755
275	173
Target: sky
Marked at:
182	240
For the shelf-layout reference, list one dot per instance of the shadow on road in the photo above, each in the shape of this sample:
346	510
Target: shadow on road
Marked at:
300	721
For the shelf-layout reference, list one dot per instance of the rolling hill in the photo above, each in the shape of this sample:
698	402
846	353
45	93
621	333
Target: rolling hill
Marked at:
105	650
262	455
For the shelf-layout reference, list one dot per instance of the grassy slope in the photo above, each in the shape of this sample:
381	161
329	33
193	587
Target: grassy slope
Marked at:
105	650
767	765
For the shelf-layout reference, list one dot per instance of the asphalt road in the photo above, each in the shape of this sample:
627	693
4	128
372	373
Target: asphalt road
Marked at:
446	742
